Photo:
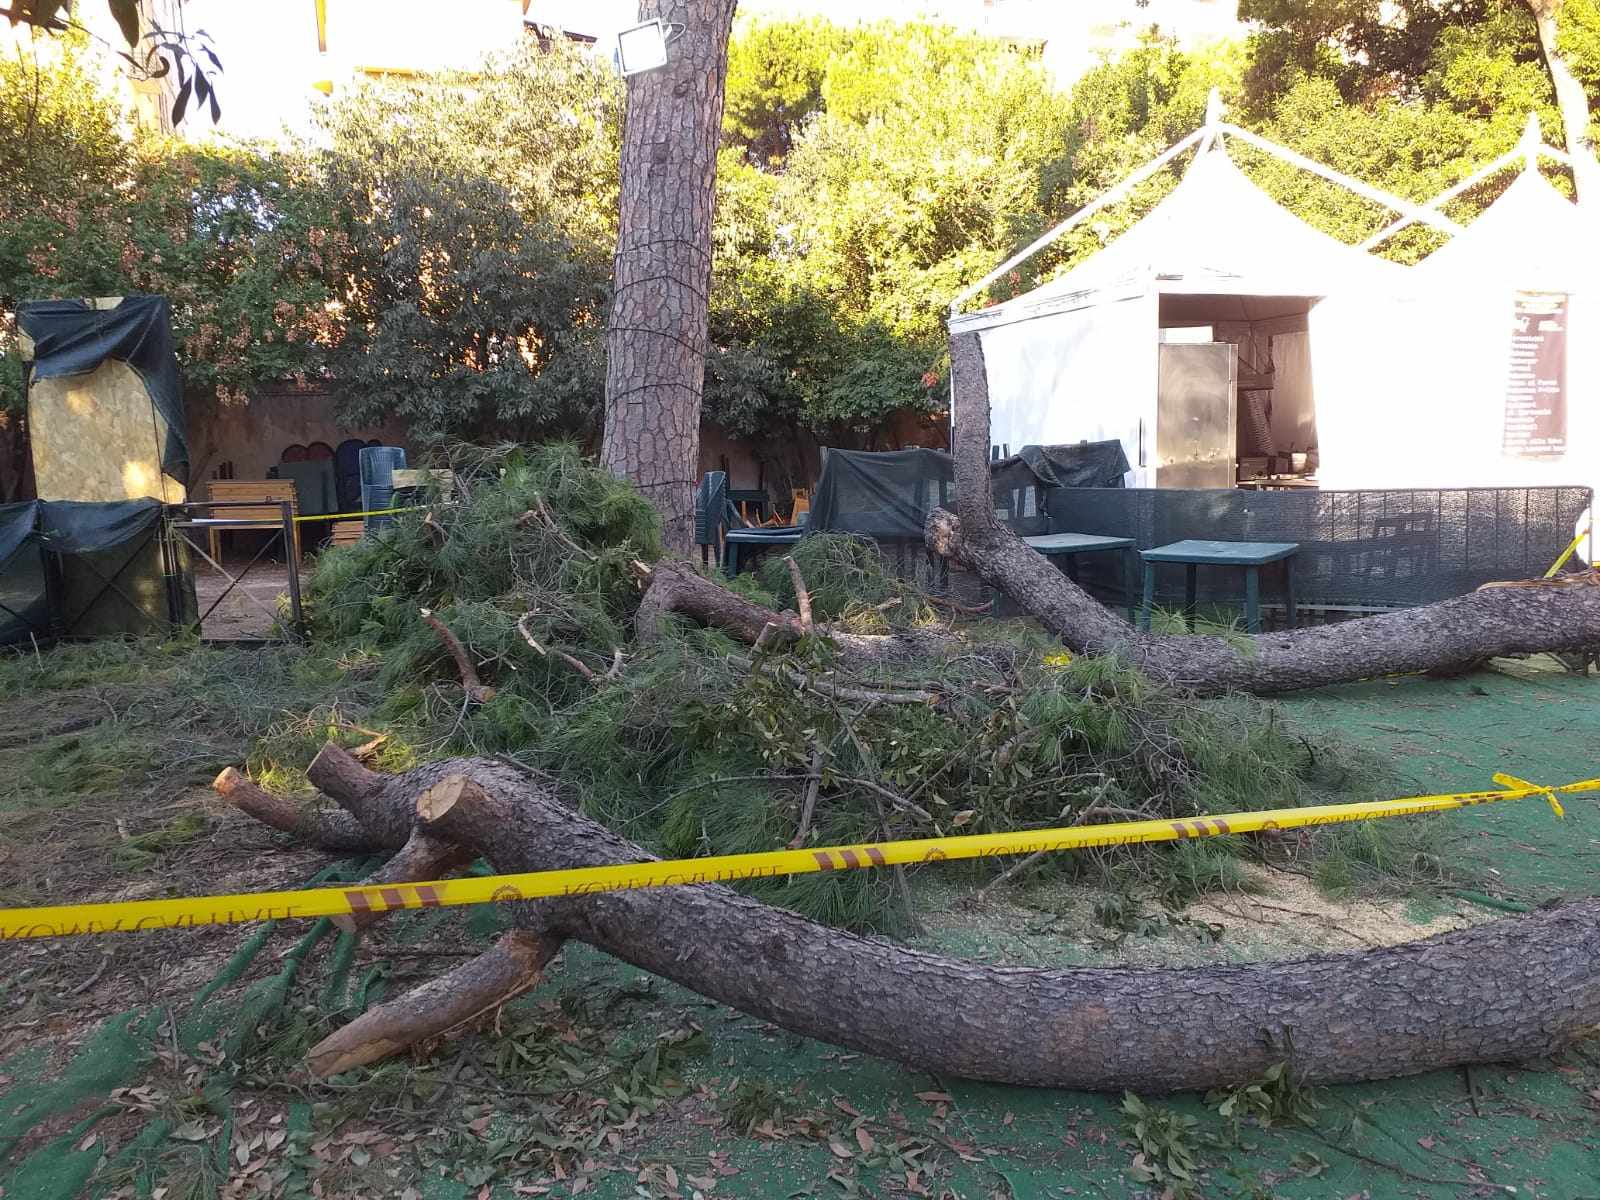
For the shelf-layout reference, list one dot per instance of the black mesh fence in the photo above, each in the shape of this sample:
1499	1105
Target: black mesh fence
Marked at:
1358	549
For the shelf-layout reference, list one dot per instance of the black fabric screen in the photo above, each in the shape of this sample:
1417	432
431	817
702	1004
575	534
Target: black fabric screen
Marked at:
24	608
79	569
887	495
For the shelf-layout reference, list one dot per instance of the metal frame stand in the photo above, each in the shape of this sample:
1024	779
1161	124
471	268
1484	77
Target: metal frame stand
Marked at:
283	535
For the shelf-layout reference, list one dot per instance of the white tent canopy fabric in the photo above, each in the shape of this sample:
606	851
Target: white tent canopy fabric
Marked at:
1443	345
1215	233
1078	357
1531	234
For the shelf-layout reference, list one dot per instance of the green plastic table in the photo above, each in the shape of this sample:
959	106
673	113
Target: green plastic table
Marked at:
1251	556
1067	546
754	537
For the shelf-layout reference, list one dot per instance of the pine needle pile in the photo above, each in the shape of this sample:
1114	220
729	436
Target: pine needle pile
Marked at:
694	745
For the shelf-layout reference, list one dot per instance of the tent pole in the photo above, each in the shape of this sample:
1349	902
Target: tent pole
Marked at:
1444	197
1213	119
1533	146
1509	158
1529	146
1077	218
1376	195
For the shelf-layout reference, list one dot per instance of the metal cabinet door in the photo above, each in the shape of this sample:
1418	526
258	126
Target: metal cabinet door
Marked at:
1196	402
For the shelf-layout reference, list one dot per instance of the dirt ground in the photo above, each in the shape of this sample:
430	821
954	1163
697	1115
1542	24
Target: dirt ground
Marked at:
254	609
170	1064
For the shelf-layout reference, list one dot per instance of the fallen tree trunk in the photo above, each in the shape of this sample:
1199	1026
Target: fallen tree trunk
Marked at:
1511	989
1520	620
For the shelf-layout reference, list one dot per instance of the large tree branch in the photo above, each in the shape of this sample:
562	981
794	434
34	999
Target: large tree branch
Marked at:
470	683
677	588
324	828
1506	990
1521	620
474	990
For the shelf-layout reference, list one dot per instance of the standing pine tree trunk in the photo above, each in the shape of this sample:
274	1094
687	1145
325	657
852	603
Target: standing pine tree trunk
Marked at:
1571	100
656	341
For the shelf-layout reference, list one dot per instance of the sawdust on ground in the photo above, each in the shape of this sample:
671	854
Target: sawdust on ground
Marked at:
1278	915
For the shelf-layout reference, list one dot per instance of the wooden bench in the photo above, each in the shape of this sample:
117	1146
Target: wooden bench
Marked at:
264	497
348	533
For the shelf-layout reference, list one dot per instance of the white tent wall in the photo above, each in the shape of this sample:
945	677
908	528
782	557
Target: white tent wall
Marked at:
1084	374
1436	357
1423	404
1531	239
1372	428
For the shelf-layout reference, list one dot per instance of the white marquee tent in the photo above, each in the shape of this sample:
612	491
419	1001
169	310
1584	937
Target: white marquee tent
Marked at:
1455	412
1212	300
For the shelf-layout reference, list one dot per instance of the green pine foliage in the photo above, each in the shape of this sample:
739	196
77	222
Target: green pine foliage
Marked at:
688	751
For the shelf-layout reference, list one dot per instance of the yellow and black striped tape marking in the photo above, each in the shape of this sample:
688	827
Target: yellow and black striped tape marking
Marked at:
132	915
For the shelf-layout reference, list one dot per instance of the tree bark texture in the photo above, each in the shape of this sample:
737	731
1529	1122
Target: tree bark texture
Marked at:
324	828
475	989
1510	989
1571	100
1496	621
656	339
359	791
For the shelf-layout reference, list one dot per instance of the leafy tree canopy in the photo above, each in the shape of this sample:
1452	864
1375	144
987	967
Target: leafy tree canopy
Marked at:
479	215
442	250
775	74
238	240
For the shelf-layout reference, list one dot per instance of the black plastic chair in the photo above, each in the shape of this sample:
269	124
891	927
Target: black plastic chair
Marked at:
711	516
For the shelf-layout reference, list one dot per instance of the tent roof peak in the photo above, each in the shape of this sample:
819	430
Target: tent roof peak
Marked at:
1208	138
1525	155
1531	142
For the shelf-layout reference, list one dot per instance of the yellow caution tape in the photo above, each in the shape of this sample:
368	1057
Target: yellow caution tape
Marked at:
1511	781
131	915
1571	549
375	512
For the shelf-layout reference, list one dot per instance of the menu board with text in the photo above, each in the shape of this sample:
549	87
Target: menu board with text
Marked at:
1536	384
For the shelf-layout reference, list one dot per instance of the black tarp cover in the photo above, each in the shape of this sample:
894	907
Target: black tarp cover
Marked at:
1080	465
24	605
17	523
88	527
887	495
71	337
107	562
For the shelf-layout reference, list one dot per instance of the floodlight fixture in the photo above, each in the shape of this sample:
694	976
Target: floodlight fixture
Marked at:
642	48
